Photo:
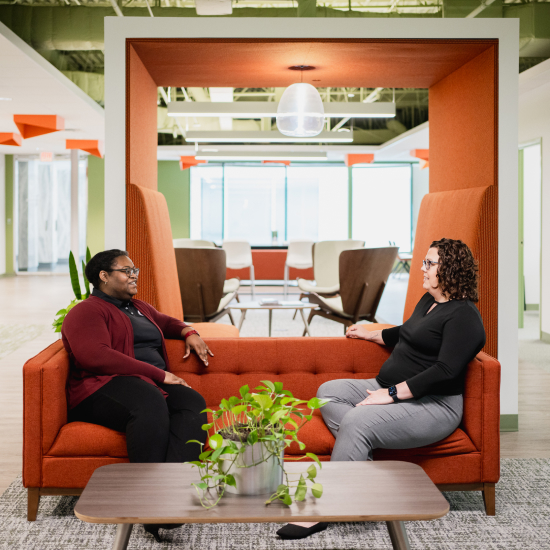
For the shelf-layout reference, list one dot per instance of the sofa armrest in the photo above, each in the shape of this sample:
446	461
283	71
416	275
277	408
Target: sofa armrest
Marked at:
481	419
44	407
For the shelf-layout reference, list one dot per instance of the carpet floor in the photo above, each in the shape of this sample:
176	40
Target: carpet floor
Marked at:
522	523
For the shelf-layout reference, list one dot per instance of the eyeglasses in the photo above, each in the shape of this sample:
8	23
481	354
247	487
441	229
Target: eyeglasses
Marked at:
128	271
428	264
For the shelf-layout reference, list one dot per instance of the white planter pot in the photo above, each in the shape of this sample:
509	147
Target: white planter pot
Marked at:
254	475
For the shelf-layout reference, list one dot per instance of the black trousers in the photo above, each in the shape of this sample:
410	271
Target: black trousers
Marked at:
157	428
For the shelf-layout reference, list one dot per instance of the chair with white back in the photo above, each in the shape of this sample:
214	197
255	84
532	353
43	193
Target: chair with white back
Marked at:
299	256
239	256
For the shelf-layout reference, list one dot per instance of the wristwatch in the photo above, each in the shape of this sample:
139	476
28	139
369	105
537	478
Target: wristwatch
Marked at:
190	333
393	394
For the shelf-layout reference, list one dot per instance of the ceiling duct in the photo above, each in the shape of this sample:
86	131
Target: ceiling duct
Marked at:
213	7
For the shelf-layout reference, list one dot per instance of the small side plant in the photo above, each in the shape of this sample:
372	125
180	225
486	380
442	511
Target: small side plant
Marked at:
269	416
75	282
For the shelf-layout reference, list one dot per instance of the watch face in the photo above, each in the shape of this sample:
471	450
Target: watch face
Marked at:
392	391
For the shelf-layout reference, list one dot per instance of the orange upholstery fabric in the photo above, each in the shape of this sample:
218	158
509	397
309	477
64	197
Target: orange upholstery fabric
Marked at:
141	123
469	215
269	265
149	243
57	454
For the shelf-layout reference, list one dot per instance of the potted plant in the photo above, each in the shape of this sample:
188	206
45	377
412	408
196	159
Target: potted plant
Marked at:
75	282
247	447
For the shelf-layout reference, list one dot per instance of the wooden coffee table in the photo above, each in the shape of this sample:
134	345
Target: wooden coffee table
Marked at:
389	491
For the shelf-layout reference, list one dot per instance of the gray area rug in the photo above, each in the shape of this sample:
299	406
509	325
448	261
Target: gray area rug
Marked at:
522	523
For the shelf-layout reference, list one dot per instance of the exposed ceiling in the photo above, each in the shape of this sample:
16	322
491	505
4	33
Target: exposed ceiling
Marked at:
31	85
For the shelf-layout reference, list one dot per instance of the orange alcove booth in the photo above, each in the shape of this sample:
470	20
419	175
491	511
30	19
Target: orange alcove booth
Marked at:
462	78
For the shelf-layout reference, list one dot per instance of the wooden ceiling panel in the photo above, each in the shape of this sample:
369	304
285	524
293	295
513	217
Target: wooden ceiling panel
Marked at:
253	63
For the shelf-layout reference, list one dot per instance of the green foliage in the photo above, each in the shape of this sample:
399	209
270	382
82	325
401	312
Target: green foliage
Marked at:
270	416
75	283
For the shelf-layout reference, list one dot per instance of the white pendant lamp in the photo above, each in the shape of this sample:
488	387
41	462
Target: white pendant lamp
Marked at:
300	112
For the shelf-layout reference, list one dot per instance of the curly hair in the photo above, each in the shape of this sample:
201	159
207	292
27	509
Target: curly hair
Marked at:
457	271
102	261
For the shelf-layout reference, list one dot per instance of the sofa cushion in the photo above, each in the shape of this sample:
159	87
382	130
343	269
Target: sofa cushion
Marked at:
83	439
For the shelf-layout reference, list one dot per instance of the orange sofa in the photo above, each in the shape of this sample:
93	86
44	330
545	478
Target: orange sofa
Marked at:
59	458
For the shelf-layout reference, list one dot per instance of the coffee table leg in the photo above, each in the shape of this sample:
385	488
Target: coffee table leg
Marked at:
123	532
270	319
398	535
243	315
305	322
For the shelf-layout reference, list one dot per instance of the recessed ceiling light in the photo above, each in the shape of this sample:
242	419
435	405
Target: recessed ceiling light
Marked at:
351	95
210	150
344	130
5	98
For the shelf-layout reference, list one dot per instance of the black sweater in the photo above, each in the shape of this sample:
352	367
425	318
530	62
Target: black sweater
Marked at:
433	349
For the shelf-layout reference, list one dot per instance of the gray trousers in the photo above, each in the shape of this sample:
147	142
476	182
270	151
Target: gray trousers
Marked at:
405	425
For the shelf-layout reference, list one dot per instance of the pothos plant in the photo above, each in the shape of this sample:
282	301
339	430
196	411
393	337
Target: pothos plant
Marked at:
79	295
269	415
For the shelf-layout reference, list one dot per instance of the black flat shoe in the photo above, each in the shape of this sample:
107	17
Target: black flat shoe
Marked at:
290	531
153	528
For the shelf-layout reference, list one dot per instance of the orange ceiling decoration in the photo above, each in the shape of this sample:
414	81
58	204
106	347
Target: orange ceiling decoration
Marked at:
285	162
38	125
92	146
399	63
187	162
10	139
423	155
350	160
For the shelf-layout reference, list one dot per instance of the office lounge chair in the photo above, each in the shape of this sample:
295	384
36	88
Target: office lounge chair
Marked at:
230	285
239	256
201	274
325	267
299	256
363	277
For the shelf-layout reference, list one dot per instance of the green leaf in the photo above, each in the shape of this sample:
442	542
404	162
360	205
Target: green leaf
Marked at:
281	489
230	480
286	400
216	454
264	401
206	427
205	455
278	415
61	312
74	277
88	254
278	387
317	490
244	390
202	486
195	441
287	500
311	472
86	282
216	441
313	456
238	409
300	494
252	438
316	403
195	463
269	384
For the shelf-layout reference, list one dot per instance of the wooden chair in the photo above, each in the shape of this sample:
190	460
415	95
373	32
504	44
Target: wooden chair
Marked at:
363	276
201	274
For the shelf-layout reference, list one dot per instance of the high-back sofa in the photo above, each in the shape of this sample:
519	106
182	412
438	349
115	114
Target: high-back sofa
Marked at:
59	458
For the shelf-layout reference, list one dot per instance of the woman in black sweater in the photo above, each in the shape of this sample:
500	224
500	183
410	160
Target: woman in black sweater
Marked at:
416	399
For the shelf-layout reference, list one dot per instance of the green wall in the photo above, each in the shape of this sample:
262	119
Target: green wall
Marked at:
95	234
174	184
9	215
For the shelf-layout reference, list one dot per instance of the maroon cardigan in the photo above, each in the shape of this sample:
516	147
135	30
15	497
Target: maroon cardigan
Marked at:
100	342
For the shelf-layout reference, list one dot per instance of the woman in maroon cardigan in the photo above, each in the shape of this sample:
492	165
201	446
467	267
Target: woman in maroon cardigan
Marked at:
119	372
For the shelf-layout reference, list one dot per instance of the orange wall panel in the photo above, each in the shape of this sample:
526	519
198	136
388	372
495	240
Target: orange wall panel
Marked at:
269	265
141	124
463	126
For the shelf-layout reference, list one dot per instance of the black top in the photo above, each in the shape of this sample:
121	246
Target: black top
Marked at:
433	349
147	337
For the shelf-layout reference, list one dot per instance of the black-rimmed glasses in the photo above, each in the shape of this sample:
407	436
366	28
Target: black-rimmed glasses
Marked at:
128	271
428	263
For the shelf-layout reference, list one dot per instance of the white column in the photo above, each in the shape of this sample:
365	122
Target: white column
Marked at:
2	214
75	237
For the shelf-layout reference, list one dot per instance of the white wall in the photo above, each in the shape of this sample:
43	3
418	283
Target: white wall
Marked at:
2	214
534	124
531	222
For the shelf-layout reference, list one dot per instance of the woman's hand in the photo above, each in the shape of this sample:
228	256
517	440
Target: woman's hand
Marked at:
196	343
378	397
362	333
170	378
